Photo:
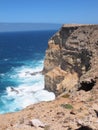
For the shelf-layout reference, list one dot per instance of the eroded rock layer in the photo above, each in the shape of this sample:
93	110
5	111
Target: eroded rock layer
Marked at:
71	61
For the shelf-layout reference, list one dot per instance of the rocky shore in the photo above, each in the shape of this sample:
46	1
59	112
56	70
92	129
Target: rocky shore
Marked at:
71	72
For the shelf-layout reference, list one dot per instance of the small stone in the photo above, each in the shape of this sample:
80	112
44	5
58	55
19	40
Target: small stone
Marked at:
73	112
37	123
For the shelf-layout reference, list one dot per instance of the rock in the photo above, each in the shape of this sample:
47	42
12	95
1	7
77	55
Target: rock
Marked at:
36	123
74	50
14	90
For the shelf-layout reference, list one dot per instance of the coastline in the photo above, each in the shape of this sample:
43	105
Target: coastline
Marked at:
68	111
76	86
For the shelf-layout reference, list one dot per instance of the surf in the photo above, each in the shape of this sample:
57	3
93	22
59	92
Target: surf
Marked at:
21	63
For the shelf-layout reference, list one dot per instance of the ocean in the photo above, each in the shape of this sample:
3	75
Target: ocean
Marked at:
21	55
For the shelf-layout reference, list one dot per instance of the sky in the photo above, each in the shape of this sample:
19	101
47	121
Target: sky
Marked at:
49	11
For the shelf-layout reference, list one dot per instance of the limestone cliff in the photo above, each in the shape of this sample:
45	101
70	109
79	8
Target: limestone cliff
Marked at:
71	61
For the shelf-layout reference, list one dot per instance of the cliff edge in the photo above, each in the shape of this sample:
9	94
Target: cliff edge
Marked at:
71	61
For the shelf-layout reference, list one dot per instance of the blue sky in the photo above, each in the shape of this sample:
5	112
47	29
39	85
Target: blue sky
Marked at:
49	11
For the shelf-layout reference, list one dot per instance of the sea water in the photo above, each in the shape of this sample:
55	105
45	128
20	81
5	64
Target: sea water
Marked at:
21	56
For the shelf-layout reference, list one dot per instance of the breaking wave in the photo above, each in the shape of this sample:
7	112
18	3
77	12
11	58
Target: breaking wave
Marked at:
28	88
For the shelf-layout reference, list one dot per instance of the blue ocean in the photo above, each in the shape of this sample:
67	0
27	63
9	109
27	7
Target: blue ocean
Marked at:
21	58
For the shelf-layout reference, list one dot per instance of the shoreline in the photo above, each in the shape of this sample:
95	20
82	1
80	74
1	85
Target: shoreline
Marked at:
71	72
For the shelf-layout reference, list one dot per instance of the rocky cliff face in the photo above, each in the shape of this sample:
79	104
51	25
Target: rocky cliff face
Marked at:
71	61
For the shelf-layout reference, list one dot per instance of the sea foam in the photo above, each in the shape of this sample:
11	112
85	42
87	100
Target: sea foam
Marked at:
29	89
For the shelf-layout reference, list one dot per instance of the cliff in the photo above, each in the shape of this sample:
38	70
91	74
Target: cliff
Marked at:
71	61
71	64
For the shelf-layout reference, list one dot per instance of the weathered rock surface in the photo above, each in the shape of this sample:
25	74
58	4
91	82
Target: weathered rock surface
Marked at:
71	61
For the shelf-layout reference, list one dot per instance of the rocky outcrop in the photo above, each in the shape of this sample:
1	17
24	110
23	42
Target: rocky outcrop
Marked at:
71	61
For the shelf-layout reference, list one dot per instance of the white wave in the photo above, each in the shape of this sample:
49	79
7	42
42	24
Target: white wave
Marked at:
10	92
26	72
44	95
2	74
6	59
29	89
26	97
